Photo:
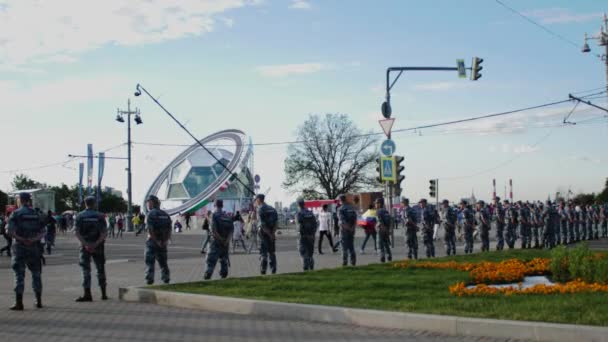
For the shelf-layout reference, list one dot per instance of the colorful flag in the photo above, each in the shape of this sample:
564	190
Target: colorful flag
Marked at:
81	169
89	168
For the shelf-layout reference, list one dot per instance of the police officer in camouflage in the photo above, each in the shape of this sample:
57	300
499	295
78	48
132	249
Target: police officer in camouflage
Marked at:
548	217
448	218
524	224
221	228
383	226
27	229
158	225
561	231
511	223
267	226
537	225
498	219
347	220
482	219
411	229
604	220
91	232
468	224
426	220
307	228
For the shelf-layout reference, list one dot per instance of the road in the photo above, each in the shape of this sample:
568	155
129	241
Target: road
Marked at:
64	320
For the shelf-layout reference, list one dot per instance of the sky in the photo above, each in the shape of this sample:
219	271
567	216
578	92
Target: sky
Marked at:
263	66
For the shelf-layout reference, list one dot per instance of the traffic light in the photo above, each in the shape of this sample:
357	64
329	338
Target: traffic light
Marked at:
433	188
476	68
399	177
378	170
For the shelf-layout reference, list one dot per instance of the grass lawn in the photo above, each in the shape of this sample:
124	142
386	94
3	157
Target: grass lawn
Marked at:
383	287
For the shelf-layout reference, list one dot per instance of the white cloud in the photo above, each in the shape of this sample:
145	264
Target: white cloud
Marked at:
300	4
440	86
229	22
284	70
521	149
561	16
60	30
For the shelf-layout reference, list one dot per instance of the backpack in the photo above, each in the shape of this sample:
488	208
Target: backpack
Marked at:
350	215
384	218
308	222
269	216
224	225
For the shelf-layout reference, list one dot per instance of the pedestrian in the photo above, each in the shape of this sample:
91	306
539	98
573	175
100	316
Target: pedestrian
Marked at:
482	219
267	225
307	226
221	231
27	229
158	224
4	232
468	223
91	231
252	231
137	224
325	220
347	219
411	229
384	229
207	236
238	236
426	221
370	219
448	218
511	223
63	224
187	217
51	231
112	225
120	224
177	226
498	218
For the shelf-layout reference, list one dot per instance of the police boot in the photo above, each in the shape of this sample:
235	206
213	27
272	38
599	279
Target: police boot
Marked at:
18	306
104	295
39	300
86	297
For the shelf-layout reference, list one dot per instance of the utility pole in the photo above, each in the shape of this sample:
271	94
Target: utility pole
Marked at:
602	40
138	120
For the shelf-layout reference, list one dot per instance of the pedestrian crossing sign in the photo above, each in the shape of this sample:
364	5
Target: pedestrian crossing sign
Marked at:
387	169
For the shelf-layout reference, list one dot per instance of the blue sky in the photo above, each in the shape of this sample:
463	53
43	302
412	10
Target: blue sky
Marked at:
262	66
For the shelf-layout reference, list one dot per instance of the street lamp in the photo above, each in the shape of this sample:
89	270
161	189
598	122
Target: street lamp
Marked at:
602	40
120	118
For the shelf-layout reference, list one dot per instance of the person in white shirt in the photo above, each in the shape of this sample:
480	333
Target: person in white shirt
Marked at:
239	232
325	220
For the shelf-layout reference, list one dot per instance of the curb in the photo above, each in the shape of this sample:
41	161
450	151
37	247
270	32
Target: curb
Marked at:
449	325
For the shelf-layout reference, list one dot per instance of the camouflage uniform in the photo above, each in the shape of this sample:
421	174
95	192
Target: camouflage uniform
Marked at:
306	240
27	224
219	247
411	229
604	220
548	216
524	226
427	222
511	223
498	219
468	222
267	242
482	220
158	224
384	234
91	226
347	235
448	217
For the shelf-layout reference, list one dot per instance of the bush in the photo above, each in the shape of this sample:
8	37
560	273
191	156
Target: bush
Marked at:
580	263
559	264
601	271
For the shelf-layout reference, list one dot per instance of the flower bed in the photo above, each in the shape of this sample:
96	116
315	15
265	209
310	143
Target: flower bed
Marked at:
576	286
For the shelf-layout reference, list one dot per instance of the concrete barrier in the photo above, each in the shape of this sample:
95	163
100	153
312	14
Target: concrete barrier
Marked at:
450	325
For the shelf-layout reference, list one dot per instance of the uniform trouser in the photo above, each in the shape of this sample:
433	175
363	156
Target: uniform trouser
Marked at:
485	239
217	251
571	232
384	241
267	251
510	236
604	225
156	253
306	246
500	239
548	236
348	247
99	258
367	236
9	244
450	240
566	236
30	257
50	241
577	230
583	229
468	240
328	235
596	230
429	244
524	234
411	239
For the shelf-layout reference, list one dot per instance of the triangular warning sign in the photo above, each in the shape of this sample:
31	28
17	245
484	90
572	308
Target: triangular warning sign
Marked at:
387	125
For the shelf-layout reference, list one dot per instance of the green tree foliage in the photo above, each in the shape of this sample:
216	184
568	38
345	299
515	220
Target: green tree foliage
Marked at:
584	199
3	200
333	157
602	197
23	182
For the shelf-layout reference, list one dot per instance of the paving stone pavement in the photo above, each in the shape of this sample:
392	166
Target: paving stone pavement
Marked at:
64	320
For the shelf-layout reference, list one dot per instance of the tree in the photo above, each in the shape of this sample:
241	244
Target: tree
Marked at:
334	157
23	182
3	201
602	197
111	203
66	198
583	199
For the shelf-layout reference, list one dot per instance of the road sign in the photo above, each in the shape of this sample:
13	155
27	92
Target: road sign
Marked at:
462	71
387	169
388	147
387	125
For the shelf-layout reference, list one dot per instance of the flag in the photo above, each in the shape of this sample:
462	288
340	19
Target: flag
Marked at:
89	168
81	169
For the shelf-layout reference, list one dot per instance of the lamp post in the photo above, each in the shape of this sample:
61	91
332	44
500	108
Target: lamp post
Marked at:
120	118
602	40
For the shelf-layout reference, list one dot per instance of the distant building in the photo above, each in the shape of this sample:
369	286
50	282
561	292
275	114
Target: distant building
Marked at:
41	198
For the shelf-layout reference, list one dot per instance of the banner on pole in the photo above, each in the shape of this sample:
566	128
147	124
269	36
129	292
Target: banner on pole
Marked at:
100	170
81	169
89	168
